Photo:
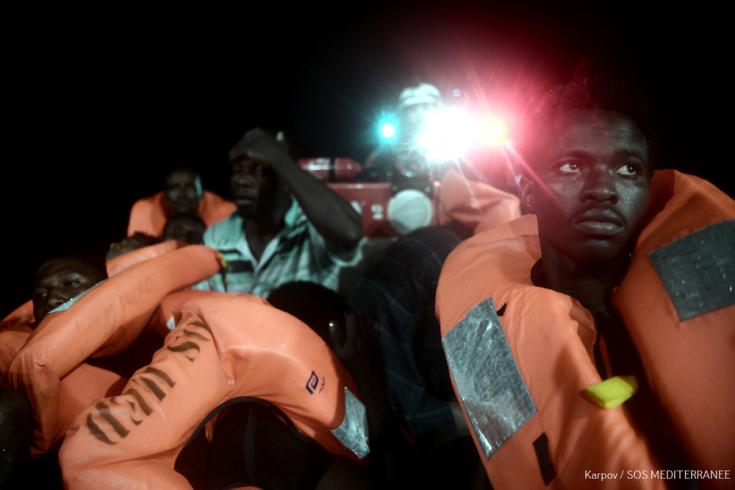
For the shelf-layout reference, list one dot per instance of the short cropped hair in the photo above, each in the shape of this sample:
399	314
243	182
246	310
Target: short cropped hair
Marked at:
587	91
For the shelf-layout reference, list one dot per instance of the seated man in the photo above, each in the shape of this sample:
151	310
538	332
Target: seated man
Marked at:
56	282
620	276
183	193
288	226
397	292
60	280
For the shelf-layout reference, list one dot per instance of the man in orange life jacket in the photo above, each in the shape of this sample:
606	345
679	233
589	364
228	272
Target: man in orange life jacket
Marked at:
587	180
587	177
182	193
56	282
63	279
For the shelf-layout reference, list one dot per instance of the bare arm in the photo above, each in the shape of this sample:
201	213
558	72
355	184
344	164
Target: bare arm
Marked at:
332	216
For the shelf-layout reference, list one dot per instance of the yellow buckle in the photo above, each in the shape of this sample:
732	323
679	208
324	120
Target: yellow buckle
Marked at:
612	392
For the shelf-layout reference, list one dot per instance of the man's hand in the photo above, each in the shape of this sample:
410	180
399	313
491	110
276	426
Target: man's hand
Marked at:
258	145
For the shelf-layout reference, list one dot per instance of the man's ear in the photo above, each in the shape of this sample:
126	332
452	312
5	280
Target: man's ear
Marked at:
528	195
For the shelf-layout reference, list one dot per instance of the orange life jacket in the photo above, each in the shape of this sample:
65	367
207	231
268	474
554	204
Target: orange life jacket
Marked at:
149	215
476	205
77	389
223	346
520	356
103	321
127	260
21	315
14	332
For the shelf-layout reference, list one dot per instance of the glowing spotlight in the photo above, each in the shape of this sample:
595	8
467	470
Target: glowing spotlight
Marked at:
446	135
388	130
493	132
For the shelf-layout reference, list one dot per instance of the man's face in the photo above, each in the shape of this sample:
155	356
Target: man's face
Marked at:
182	193
252	184
59	282
592	185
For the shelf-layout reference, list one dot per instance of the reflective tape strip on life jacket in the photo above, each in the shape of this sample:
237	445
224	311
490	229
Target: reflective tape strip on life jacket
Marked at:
224	346
485	375
103	321
353	430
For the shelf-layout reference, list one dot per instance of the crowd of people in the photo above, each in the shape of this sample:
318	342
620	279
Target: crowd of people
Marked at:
570	321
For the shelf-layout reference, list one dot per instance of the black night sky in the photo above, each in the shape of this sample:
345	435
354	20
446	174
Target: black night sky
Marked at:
99	105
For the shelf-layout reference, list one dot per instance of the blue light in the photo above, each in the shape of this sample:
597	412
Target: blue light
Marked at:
388	131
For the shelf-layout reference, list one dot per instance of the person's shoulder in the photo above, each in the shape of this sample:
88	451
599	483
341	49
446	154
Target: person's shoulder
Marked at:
152	200
295	216
472	270
225	233
214	199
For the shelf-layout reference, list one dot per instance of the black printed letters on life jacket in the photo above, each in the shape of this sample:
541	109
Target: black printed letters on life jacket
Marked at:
146	388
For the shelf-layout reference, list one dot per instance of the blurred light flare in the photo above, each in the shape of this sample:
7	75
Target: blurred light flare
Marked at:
387	130
449	133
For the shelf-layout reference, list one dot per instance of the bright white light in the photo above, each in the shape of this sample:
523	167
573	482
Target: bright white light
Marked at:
447	134
388	130
492	132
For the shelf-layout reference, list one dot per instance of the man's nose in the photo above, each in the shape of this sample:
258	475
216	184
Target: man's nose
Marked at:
56	298
243	180
599	186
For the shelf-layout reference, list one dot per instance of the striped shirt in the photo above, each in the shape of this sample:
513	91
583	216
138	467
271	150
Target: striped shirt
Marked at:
297	253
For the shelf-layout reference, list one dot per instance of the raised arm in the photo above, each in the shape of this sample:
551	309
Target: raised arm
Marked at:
332	216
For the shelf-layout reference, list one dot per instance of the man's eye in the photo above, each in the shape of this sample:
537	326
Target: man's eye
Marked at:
568	167
628	170
72	283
